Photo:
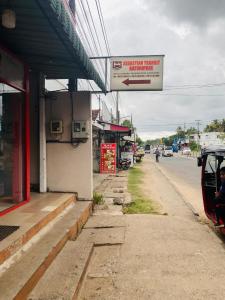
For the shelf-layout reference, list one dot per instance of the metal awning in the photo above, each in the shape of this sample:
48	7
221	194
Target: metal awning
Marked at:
110	127
45	38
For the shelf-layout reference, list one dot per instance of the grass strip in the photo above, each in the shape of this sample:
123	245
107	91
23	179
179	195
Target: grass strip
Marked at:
140	203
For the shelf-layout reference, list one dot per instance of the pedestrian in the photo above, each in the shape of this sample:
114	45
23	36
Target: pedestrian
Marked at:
157	154
220	199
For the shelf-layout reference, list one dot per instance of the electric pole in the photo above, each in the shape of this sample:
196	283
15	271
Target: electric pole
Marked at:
99	106
198	129
117	108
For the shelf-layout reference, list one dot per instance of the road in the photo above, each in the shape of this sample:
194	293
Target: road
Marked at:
184	168
184	174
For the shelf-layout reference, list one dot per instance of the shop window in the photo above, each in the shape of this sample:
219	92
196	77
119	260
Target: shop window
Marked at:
11	146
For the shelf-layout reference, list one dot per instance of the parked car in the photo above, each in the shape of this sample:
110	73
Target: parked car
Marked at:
168	151
147	148
186	151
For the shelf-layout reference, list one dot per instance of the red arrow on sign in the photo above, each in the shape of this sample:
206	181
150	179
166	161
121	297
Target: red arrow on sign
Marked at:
128	81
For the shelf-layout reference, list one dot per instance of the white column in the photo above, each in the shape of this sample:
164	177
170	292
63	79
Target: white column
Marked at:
42	136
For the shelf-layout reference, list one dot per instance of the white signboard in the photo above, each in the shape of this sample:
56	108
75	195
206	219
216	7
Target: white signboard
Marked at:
137	73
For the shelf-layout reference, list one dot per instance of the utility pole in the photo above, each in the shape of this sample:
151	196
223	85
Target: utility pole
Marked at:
111	112
198	129
99	106
117	108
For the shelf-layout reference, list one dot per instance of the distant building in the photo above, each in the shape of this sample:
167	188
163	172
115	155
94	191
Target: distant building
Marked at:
207	138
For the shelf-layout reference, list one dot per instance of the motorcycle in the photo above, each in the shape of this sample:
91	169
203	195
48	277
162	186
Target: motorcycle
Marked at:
124	163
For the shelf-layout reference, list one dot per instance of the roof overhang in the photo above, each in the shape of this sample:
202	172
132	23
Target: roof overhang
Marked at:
45	38
116	128
214	149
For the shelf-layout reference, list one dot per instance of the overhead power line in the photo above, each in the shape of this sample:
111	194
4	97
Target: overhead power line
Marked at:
103	26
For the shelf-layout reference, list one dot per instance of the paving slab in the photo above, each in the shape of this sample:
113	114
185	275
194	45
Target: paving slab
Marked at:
106	221
105	236
63	279
69	268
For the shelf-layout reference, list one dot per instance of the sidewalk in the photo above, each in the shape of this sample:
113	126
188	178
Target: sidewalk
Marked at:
98	179
161	257
131	257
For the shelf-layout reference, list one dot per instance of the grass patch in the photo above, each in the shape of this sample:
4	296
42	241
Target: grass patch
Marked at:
140	204
98	198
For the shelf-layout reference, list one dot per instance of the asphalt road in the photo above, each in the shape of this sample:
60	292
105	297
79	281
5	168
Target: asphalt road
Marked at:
183	168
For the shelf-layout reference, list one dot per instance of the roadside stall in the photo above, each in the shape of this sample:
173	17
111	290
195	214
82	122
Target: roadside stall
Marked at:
113	133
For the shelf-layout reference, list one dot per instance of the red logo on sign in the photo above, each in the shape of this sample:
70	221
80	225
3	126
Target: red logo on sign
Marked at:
117	65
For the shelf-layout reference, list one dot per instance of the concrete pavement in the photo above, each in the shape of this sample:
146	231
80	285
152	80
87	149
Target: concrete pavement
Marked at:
162	257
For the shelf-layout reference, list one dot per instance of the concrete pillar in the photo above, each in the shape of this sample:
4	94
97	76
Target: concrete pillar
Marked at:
42	136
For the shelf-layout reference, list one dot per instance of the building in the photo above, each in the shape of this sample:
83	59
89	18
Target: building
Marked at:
207	138
45	138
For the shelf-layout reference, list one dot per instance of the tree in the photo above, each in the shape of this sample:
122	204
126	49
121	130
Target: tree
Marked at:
191	130
215	126
139	141
194	146
127	123
180	132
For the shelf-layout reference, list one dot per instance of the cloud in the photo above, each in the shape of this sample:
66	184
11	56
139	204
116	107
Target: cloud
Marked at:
198	13
152	135
189	33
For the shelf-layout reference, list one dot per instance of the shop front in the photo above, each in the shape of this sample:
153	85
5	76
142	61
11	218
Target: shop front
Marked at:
25	52
14	133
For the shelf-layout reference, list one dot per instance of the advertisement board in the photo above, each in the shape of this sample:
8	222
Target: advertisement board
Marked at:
108	158
137	73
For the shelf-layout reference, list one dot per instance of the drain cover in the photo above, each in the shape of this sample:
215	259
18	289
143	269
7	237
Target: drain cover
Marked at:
6	230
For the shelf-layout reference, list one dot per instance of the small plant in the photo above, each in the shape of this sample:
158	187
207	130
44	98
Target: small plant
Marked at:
98	198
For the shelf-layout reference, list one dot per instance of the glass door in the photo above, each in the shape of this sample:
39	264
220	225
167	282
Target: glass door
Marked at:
12	143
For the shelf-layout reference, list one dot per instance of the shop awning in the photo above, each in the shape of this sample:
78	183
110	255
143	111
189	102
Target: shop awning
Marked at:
116	128
45	38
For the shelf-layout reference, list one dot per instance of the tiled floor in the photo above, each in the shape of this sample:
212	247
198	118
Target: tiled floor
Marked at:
4	204
32	216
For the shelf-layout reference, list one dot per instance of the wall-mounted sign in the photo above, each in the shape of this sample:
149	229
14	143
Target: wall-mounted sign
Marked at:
137	73
11	70
108	158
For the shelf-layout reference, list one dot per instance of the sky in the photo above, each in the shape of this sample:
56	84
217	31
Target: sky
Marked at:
191	36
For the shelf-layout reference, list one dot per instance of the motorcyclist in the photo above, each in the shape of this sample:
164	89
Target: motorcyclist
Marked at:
157	154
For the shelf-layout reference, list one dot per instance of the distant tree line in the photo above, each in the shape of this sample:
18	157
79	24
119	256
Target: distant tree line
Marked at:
214	126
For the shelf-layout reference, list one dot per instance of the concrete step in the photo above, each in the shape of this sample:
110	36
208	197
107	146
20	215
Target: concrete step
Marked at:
32	218
64	278
20	279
